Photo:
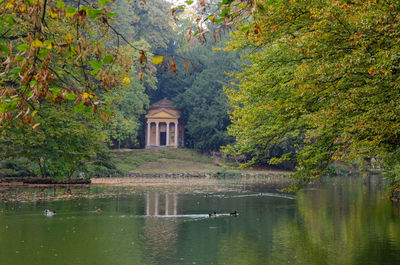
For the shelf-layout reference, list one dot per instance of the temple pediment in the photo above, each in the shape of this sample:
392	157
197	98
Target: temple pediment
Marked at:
163	113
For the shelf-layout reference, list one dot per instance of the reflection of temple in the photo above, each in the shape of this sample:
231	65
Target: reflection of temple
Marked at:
161	205
160	233
164	125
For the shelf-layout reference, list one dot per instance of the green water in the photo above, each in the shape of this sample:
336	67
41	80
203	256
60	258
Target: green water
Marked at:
336	224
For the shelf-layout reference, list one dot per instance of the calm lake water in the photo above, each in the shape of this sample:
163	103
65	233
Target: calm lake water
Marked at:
340	223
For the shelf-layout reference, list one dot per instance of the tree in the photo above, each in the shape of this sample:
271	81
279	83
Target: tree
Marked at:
52	48
129	103
203	100
58	73
323	73
64	146
148	21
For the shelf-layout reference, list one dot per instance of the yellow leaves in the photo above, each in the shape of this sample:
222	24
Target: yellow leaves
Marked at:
10	4
37	43
87	95
49	46
22	8
53	14
68	38
158	59
371	71
126	80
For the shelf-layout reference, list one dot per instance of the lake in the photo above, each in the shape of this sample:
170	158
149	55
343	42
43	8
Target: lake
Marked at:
341	222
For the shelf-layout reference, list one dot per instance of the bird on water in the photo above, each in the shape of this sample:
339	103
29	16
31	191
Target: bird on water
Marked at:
47	212
235	213
214	214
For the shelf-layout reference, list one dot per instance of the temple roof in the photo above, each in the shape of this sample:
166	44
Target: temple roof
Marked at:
164	103
165	113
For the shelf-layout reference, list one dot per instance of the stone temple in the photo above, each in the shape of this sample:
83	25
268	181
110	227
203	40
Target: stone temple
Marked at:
164	125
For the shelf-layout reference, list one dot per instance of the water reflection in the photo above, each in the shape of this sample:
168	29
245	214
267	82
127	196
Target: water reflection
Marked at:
343	223
166	204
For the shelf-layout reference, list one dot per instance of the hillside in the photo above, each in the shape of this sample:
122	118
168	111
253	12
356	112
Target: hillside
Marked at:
172	160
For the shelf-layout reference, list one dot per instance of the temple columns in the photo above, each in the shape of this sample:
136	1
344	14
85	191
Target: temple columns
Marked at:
157	134
176	134
148	134
167	133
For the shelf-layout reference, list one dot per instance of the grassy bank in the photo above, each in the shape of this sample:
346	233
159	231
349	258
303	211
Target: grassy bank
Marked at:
171	160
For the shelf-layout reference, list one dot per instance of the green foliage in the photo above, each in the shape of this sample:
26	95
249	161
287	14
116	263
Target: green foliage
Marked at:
323	74
61	147
200	94
62	75
129	103
15	168
150	22
45	45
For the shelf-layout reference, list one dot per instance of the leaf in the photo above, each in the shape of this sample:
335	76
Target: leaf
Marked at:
70	96
87	95
126	80
33	83
225	11
53	14
42	53
70	11
108	59
96	65
68	38
186	65
111	14
9	5
103	2
60	4
80	107
48	44
4	48
95	13
189	2
16	70
21	47
37	43
158	59
143	57
56	91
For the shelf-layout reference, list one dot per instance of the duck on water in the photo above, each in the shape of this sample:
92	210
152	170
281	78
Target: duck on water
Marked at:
47	212
214	214
235	213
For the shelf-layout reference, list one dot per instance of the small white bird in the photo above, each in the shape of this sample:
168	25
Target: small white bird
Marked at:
47	212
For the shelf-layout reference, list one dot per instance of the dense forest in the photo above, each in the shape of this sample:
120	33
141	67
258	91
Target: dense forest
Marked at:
93	98
299	82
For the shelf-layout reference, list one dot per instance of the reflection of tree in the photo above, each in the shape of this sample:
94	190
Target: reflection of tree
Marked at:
344	225
244	240
76	235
